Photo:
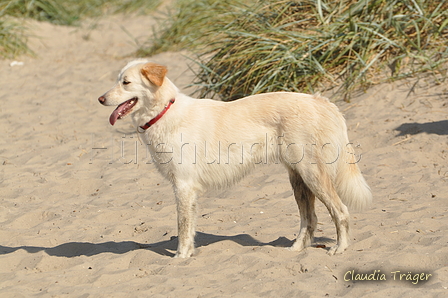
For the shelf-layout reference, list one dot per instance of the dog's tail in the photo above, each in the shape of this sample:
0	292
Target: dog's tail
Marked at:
351	186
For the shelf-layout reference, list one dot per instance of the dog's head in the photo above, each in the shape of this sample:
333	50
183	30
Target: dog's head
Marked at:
136	87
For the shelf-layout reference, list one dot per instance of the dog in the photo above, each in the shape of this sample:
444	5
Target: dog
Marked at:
202	144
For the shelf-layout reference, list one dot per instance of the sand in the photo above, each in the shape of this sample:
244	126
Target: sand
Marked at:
84	214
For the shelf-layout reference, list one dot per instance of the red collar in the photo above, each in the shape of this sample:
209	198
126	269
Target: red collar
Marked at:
154	120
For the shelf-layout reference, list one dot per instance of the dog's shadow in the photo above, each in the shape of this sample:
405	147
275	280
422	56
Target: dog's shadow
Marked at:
165	248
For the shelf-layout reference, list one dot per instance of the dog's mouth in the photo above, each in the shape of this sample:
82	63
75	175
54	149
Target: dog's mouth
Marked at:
122	110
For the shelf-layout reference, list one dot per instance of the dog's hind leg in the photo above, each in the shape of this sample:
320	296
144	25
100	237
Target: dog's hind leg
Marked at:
320	183
308	220
341	218
186	199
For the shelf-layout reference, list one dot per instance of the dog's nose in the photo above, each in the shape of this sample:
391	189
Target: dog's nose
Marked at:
102	99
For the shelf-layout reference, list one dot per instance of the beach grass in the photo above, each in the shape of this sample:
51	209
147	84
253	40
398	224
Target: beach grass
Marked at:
307	46
12	40
249	47
191	24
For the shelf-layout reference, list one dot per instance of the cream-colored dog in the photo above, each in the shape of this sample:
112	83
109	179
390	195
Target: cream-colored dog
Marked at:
199	144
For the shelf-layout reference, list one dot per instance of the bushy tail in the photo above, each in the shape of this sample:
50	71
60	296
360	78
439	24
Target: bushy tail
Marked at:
351	186
353	190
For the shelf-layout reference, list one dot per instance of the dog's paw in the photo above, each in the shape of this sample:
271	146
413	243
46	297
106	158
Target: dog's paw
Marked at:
300	244
337	249
296	248
180	256
183	255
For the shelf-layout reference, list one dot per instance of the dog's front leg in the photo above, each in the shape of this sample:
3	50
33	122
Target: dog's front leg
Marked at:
186	221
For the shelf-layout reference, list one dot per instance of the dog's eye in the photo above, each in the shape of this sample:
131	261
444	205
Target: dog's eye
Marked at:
126	82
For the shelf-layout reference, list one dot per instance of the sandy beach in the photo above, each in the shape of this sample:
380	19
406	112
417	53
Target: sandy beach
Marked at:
83	213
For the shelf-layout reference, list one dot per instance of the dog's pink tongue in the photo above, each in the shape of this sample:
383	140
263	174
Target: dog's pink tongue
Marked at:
115	114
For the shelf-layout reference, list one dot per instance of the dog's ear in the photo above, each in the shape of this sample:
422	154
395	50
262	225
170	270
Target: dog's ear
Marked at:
155	73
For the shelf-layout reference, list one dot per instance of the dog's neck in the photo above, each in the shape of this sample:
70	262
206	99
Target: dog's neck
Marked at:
151	122
155	105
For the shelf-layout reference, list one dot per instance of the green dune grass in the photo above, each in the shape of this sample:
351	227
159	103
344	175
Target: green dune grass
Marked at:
310	45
